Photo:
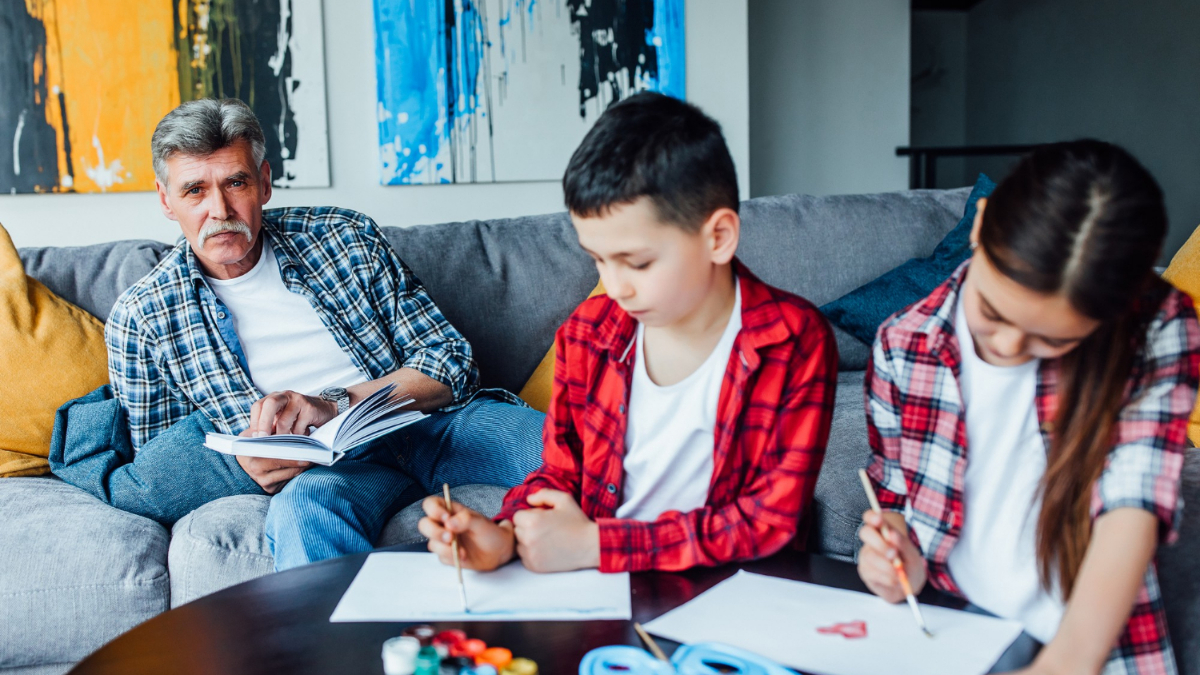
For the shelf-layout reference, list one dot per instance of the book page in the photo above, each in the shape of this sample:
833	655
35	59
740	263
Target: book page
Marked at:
817	629
417	587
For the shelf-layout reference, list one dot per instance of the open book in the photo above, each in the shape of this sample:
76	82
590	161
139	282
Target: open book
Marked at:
376	415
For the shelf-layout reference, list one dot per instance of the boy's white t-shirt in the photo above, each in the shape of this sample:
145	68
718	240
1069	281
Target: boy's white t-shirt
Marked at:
671	431
285	343
994	562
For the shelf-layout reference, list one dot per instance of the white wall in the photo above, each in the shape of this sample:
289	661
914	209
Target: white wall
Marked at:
717	65
829	95
1125	72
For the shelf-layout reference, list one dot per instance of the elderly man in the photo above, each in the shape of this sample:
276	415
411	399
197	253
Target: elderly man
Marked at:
268	322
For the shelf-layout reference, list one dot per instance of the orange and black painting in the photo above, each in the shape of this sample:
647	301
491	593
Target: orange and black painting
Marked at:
84	82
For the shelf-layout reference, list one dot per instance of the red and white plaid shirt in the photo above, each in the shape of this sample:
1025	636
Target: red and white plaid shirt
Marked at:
774	412
916	425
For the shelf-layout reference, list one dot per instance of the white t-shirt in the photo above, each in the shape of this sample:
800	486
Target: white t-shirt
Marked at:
995	562
285	344
671	431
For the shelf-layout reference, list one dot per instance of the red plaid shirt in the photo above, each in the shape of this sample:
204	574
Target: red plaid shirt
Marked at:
774	412
916	424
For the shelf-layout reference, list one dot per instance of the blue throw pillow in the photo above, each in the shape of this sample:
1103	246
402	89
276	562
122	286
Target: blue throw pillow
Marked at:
861	311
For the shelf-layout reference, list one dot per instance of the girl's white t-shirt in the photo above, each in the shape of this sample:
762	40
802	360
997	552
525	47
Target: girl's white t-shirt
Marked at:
285	343
671	431
994	562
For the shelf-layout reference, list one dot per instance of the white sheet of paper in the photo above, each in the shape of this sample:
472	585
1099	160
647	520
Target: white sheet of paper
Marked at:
778	619
416	587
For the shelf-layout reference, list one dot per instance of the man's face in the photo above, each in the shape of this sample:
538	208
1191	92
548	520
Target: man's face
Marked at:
218	200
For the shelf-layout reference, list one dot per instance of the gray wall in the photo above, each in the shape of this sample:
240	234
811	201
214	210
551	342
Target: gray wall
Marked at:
828	95
1126	72
939	88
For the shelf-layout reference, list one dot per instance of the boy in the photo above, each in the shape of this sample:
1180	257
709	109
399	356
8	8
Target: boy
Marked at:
691	406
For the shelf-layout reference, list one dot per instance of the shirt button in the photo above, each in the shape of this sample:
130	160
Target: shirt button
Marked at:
621	408
220	315
612	488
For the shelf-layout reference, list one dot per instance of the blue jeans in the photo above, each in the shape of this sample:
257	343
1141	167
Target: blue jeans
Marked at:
332	511
323	512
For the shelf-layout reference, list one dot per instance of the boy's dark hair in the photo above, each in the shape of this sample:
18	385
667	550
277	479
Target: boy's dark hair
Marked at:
654	146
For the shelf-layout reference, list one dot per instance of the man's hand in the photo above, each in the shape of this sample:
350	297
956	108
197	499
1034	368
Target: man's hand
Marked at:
288	412
556	535
482	544
875	565
271	474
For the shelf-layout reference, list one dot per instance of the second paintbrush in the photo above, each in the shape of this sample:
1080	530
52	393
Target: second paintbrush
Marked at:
462	588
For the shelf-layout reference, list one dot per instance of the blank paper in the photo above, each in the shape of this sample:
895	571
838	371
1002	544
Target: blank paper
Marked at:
779	619
417	587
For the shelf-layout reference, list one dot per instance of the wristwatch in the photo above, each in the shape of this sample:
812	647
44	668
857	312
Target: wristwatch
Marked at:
338	395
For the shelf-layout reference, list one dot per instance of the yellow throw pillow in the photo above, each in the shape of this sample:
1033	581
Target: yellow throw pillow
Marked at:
52	352
536	391
1184	274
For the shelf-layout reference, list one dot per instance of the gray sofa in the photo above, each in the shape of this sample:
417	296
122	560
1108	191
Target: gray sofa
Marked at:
75	573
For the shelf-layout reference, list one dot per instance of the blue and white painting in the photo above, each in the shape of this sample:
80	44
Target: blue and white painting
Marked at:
474	91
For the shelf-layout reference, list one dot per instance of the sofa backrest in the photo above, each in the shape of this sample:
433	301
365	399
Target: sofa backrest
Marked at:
508	284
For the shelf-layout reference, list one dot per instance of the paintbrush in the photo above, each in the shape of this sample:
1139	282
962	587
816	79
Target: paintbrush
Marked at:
462	588
652	645
896	563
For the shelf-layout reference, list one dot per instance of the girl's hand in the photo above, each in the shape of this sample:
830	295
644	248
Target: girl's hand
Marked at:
482	544
884	538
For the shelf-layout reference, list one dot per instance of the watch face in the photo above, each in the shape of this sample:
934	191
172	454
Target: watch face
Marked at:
333	393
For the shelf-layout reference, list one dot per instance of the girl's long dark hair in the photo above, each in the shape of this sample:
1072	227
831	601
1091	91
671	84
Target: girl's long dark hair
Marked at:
1084	219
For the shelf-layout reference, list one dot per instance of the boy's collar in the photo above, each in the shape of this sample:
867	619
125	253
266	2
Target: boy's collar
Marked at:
762	321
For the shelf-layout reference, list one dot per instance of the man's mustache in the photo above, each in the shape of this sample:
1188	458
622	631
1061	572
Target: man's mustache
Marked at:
222	226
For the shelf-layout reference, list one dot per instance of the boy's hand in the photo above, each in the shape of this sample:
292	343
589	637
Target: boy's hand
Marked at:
875	558
555	535
482	544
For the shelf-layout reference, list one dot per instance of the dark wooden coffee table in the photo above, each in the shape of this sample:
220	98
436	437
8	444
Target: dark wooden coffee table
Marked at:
280	623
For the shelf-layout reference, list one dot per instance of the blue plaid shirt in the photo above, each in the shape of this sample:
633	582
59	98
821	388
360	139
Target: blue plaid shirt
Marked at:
172	348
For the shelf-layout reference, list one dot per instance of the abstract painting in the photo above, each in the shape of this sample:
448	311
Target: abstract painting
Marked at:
504	90
84	82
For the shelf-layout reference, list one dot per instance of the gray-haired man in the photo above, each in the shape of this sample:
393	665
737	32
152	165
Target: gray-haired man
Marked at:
269	322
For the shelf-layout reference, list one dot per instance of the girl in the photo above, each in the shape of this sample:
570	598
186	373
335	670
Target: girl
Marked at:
1028	418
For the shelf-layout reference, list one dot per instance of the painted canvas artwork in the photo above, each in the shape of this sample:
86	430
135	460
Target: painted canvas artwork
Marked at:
504	90
84	82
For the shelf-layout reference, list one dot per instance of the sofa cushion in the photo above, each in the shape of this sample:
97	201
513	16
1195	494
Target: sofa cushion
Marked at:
44	669
53	352
75	572
506	285
540	385
1179	575
222	543
824	247
863	310
218	545
840	500
93	276
402	528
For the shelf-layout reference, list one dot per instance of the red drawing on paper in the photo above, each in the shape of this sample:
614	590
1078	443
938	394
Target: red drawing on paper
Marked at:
851	630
